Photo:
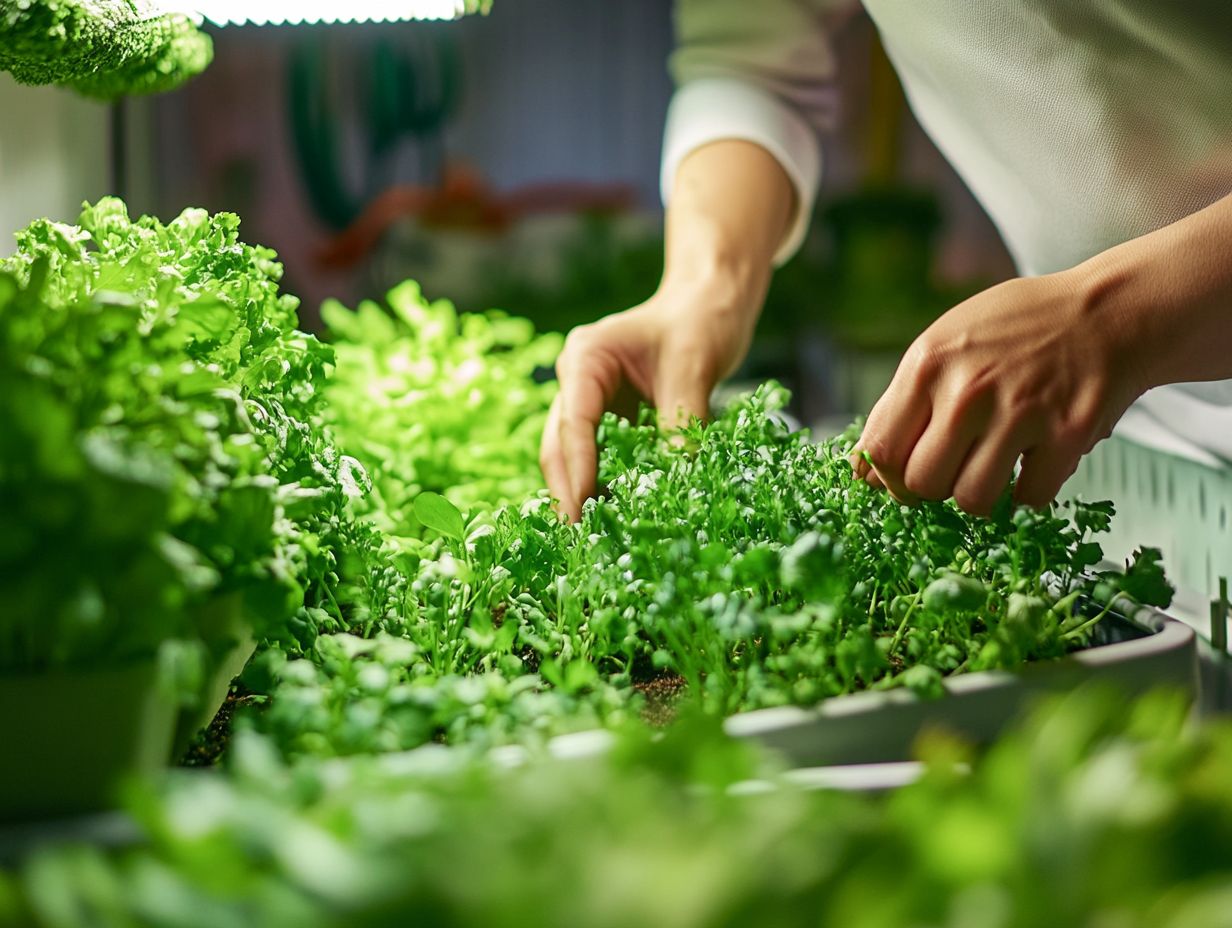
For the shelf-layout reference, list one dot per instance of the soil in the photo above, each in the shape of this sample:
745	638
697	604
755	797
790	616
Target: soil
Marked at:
661	693
208	746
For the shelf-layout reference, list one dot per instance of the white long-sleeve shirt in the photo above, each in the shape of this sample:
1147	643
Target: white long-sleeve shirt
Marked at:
1078	124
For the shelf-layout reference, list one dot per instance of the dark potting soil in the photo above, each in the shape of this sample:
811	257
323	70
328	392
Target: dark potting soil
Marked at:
661	694
208	746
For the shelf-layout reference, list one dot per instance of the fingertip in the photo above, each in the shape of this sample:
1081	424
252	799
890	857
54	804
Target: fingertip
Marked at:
582	491
552	461
892	483
581	461
582	403
678	414
859	463
978	498
1038	490
568	512
893	427
903	498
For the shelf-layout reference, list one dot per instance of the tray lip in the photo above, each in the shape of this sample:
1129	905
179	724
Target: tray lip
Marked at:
1166	634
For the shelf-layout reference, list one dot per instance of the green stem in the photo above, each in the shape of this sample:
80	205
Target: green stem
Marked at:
902	626
333	602
959	669
1090	623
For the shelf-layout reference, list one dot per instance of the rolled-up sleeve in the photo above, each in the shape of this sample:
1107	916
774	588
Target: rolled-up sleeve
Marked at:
757	71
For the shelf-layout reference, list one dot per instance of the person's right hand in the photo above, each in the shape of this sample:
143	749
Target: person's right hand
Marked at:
669	351
731	205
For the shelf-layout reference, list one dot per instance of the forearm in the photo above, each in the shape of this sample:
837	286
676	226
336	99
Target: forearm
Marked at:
731	206
1168	297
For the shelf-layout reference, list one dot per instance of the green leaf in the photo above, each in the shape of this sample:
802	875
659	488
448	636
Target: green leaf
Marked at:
439	514
955	593
1144	579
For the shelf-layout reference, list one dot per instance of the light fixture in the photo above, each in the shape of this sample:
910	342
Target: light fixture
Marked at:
295	12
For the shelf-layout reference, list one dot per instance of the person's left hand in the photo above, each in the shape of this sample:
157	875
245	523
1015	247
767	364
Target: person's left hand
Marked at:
1032	368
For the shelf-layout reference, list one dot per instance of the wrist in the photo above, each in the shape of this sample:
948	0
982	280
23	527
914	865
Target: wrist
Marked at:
717	270
1166	298
1112	303
725	295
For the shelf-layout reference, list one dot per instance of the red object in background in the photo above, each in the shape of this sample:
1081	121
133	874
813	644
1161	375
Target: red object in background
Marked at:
465	201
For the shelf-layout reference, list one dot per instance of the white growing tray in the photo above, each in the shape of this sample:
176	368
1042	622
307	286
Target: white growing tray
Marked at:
1136	654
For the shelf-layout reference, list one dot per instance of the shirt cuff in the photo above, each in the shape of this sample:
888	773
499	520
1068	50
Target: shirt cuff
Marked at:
715	108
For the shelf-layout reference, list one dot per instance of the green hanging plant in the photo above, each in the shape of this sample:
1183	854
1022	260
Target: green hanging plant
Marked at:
102	48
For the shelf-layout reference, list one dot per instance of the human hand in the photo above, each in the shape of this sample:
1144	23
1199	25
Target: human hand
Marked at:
731	205
670	351
1033	368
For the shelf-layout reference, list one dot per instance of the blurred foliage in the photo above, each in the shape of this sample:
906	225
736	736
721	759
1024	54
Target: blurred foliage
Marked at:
600	273
1095	813
433	400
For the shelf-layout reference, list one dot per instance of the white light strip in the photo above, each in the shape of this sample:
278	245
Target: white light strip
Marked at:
296	12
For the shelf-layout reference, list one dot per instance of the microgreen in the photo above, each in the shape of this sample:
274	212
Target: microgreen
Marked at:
439	515
745	566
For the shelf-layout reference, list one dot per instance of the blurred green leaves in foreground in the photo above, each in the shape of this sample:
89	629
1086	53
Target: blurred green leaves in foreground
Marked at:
1092	813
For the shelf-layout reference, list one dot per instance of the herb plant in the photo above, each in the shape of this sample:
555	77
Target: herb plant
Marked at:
133	487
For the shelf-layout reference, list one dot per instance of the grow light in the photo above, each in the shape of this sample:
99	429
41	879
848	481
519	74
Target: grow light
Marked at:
296	12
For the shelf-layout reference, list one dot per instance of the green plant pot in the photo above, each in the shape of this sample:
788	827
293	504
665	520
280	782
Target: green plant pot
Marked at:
70	738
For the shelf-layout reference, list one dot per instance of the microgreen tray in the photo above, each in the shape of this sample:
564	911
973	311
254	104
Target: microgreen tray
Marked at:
1136	652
